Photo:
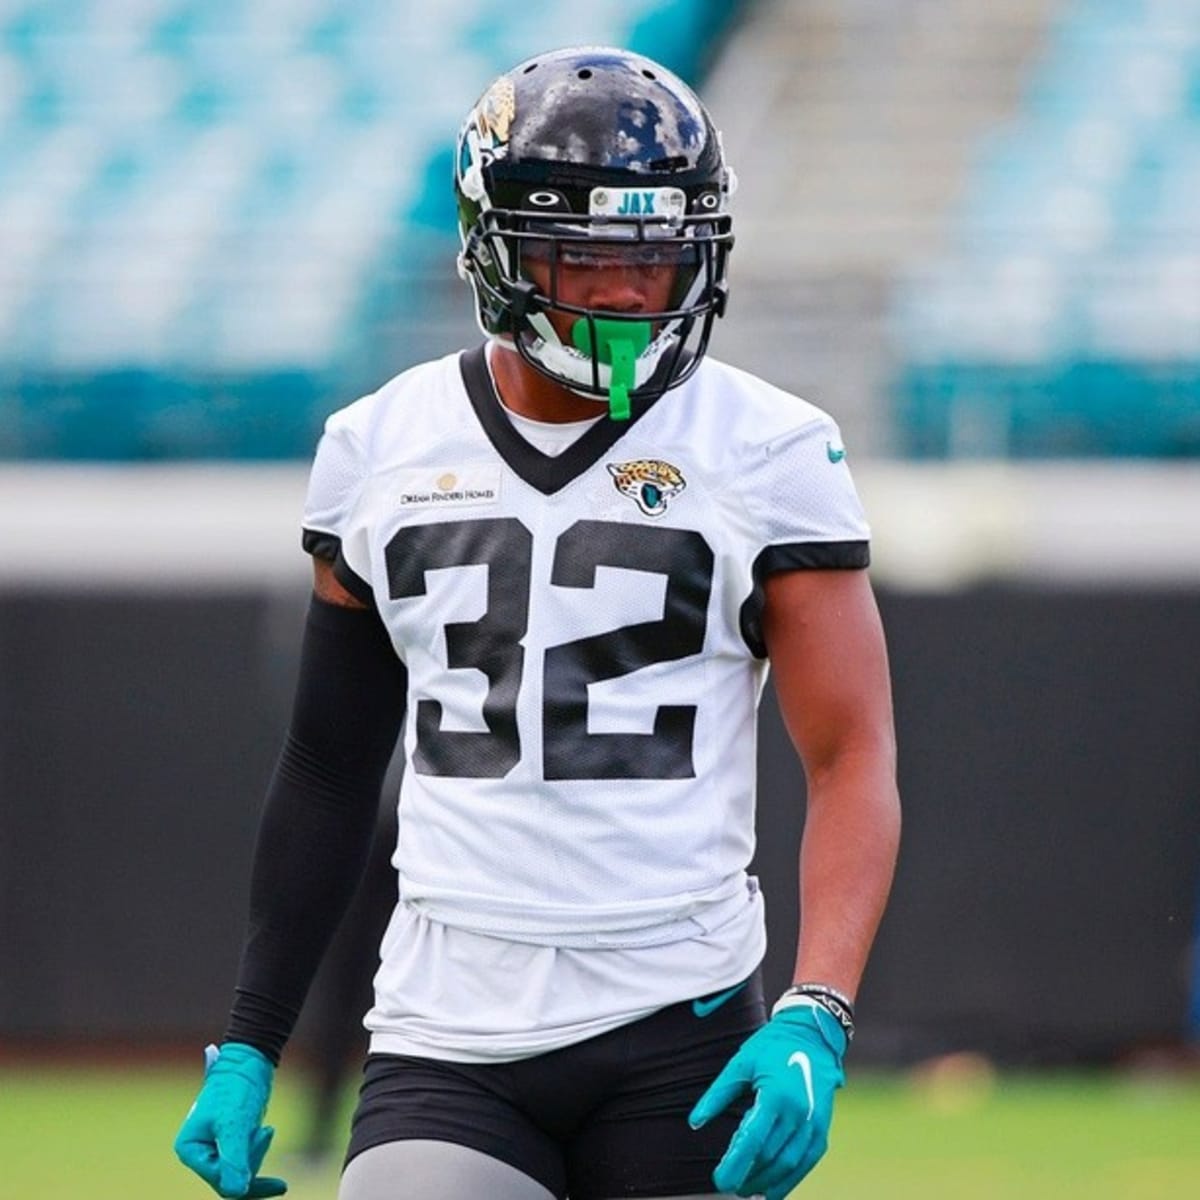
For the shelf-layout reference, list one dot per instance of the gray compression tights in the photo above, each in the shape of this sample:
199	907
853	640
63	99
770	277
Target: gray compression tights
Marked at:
427	1170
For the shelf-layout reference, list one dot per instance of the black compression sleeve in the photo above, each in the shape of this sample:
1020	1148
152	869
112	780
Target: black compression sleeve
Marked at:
319	816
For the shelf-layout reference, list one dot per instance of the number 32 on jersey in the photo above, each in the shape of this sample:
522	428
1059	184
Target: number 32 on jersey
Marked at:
492	644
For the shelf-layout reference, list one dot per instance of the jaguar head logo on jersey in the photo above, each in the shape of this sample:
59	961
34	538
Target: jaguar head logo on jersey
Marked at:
648	482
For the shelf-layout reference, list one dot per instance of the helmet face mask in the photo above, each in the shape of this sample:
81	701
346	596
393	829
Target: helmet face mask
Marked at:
594	159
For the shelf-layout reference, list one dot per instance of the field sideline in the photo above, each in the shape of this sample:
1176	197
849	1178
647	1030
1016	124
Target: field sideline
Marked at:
102	1135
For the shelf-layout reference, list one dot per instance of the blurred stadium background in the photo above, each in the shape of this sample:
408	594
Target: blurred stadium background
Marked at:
969	230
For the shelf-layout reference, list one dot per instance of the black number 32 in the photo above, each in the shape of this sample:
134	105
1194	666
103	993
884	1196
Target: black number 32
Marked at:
492	644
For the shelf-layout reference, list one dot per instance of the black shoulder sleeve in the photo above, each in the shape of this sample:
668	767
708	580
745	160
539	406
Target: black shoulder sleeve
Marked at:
319	816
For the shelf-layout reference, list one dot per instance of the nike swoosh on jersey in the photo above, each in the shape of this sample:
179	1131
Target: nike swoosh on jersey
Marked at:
801	1060
705	1006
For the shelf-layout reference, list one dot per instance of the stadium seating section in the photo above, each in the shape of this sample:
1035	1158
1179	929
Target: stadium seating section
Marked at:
220	220
216	215
1064	316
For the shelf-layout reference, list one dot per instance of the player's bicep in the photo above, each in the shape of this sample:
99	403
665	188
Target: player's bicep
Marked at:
828	655
327	587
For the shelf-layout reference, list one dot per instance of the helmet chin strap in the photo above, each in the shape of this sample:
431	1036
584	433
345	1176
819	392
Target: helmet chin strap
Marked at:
617	345
575	366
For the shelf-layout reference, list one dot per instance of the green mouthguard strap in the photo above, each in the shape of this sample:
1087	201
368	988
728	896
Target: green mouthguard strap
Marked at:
618	344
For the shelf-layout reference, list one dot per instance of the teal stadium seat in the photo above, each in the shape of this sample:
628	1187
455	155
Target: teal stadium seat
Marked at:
1065	319
220	220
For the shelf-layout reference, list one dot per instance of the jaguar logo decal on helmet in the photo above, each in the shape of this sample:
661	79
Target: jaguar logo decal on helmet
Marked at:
495	112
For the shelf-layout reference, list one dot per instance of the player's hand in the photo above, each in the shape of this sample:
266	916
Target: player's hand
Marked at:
223	1138
794	1064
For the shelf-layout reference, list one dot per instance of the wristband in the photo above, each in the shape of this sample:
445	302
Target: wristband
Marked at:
837	1004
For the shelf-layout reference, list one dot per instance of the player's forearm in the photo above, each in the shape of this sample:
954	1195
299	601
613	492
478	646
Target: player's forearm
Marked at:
319	817
311	852
847	860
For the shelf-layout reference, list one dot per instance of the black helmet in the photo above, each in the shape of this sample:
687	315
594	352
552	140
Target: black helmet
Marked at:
584	151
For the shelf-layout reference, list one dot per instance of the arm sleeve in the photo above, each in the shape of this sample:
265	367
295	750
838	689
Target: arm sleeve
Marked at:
319	817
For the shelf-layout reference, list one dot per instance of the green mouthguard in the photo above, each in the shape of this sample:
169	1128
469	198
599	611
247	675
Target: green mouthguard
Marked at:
618	344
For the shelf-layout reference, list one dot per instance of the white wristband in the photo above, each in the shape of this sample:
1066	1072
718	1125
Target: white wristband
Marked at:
791	1000
819	995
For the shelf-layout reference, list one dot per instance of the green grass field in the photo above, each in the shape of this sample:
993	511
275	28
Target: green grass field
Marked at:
102	1135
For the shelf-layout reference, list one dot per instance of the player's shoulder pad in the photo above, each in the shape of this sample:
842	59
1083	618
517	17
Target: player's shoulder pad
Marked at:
760	413
361	420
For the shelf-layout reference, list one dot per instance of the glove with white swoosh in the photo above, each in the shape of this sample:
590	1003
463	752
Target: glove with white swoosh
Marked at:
223	1138
794	1065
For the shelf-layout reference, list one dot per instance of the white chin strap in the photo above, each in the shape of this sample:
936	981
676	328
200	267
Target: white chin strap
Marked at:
574	367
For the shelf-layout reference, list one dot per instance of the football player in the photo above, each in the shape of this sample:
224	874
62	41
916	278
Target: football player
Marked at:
568	555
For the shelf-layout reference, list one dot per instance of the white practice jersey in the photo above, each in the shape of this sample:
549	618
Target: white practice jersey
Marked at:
584	652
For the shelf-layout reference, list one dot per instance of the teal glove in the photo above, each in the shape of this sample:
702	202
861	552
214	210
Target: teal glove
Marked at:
794	1064
223	1139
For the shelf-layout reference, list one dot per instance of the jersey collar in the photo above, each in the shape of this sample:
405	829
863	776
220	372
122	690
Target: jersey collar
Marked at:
545	472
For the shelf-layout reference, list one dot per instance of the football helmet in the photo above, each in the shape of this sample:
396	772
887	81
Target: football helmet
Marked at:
586	156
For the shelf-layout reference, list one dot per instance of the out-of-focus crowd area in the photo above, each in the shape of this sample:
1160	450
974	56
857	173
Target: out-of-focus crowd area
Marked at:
972	230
